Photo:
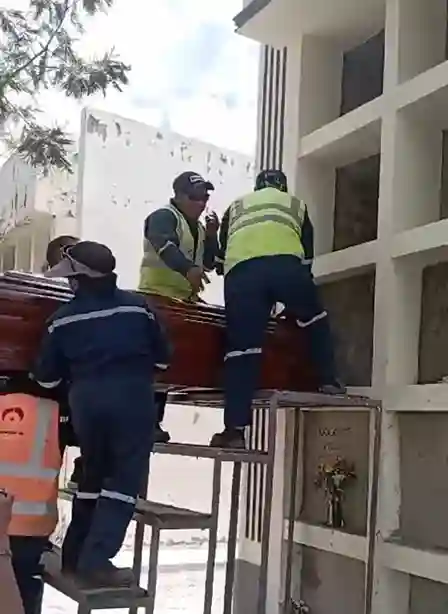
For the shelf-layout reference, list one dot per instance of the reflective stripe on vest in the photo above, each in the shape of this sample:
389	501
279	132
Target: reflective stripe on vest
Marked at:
264	223
30	462
156	277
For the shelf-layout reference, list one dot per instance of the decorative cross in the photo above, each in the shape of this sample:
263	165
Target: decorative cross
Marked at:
334	479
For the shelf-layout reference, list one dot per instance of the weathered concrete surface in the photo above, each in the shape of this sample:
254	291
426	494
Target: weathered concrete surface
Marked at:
444	176
428	597
424	483
332	584
246	587
350	303
329	435
433	354
356	203
362	73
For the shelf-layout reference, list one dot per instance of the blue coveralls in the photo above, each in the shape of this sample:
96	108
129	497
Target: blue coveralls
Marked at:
107	343
251	289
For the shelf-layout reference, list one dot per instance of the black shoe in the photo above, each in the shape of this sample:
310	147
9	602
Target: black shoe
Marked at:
107	577
160	435
335	388
229	439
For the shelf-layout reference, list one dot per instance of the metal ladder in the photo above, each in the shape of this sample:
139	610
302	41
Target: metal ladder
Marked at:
160	517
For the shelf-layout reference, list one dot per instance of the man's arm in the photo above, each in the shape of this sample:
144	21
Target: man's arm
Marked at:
308	240
211	250
160	231
49	369
223	238
161	347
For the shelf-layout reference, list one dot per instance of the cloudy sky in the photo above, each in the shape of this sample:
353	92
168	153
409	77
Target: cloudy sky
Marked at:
190	71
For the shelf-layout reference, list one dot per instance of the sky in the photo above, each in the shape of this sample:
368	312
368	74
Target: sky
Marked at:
190	72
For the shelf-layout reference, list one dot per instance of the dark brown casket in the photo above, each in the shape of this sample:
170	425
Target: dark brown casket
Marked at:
196	332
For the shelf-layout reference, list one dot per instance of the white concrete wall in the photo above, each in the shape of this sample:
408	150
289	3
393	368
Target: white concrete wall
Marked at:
33	209
127	170
405	125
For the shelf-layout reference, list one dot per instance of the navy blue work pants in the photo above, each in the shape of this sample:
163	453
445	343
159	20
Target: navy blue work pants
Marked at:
114	423
26	556
251	289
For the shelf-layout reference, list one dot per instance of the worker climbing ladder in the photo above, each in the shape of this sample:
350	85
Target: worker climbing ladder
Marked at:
161	517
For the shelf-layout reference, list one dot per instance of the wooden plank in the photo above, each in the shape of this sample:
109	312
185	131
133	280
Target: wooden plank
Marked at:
96	599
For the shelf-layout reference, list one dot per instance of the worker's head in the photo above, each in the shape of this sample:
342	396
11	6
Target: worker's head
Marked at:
191	193
55	247
85	262
271	179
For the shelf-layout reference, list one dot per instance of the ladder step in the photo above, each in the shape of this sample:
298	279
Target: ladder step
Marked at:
170	517
224	455
160	515
97	599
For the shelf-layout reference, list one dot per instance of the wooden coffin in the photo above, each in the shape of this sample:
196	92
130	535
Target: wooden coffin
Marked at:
196	333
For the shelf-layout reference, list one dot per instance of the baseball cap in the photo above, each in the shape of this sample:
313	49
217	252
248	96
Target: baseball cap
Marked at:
187	181
271	179
85	258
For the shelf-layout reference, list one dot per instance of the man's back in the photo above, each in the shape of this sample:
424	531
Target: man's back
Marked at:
105	332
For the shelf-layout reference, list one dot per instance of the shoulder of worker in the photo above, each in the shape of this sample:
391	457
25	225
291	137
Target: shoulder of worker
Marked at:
64	311
161	216
128	297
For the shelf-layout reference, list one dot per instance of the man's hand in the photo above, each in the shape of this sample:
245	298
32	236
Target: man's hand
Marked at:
6	502
197	279
211	223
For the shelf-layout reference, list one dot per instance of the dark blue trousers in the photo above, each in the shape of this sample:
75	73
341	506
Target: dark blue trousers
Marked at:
251	289
114	423
26	556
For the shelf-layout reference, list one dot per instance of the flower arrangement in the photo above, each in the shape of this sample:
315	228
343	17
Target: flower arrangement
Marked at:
334	478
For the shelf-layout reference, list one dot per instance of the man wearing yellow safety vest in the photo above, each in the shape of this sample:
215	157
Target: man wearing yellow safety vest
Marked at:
30	461
266	254
178	251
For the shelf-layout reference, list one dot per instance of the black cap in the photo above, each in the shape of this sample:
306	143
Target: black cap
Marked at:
188	181
271	179
85	258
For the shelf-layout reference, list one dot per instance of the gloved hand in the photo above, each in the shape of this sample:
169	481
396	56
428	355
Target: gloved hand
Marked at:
197	278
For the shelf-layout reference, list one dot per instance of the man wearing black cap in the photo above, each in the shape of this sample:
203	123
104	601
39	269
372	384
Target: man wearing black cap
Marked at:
179	250
266	255
107	343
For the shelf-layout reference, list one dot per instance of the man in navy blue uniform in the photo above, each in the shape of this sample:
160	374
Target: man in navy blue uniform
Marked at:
108	344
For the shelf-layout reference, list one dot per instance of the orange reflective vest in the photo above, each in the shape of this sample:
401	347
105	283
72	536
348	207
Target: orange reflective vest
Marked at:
30	461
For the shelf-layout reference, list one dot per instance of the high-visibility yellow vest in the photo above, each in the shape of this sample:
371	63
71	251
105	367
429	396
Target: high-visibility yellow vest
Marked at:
30	462
156	277
266	222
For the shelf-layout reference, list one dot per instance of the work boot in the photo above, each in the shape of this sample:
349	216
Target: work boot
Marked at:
335	388
107	577
160	435
229	439
76	475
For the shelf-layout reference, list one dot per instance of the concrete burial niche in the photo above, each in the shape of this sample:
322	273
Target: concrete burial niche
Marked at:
350	304
427	597
356	203
424	479
327	437
332	583
433	354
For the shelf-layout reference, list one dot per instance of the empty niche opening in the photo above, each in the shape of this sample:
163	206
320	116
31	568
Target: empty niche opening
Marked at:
423	451
362	73
356	202
433	342
324	580
427	596
350	306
